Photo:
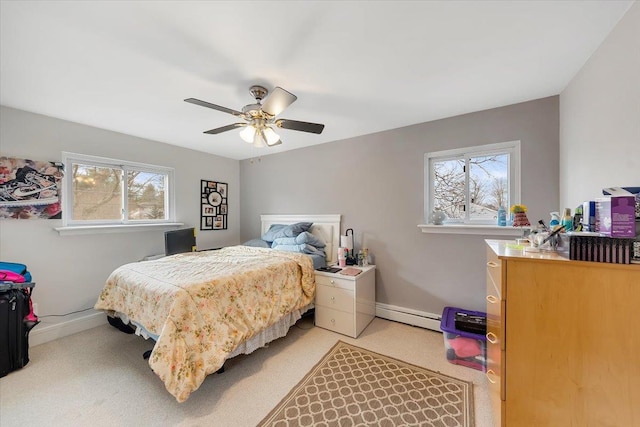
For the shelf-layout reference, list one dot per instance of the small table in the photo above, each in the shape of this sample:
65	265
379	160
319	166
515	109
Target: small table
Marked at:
345	304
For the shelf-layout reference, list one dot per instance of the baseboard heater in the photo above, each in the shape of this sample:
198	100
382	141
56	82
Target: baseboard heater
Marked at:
409	316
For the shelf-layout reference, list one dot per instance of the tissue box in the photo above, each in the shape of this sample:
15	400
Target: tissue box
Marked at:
625	191
615	216
463	348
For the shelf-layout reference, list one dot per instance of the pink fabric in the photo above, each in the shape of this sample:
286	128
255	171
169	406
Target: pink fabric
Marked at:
10	276
465	347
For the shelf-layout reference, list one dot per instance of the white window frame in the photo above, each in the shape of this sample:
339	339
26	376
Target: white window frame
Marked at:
71	226
512	148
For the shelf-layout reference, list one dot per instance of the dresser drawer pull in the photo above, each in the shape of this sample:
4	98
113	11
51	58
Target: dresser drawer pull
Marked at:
488	374
332	282
492	338
333	320
492	264
492	299
333	299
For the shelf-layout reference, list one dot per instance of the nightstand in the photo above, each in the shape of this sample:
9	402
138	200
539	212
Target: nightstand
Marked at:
346	304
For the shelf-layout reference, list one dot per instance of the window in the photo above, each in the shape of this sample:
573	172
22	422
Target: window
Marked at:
470	184
101	191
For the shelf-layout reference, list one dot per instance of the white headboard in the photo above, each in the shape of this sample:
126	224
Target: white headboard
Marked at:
326	227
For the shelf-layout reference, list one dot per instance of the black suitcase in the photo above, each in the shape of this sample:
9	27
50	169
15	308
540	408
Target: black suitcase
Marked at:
14	326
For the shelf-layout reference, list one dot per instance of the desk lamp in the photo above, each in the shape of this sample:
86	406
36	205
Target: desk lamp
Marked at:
347	241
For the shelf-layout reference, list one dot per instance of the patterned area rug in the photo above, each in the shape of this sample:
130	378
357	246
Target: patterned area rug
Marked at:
352	386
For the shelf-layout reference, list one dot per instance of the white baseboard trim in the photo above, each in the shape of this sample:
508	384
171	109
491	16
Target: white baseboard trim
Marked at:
409	316
42	334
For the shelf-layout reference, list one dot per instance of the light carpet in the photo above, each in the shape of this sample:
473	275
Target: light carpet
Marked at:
352	386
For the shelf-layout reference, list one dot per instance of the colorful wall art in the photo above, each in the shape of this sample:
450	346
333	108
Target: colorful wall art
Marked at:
30	189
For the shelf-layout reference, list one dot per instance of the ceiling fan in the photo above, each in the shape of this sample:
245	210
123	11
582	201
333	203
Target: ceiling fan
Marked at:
261	117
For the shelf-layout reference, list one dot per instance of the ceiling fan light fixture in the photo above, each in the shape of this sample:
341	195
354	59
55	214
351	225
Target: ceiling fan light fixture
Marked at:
270	136
260	117
260	141
248	134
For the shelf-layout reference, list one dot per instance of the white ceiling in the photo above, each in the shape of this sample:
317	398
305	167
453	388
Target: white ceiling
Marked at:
359	67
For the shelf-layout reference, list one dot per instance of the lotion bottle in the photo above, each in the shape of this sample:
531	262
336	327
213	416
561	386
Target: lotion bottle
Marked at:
567	220
502	216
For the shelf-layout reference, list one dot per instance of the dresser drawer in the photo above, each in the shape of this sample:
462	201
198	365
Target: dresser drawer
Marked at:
335	282
496	389
494	270
495	312
335	298
335	320
494	369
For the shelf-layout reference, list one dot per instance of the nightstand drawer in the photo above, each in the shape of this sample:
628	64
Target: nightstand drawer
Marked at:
335	282
335	320
336	298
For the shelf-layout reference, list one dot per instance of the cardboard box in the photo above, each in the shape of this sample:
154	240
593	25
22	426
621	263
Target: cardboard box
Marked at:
615	216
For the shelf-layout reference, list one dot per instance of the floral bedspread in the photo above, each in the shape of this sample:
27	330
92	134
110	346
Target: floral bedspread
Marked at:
202	305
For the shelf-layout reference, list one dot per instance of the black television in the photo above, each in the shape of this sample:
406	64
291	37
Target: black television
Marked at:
179	241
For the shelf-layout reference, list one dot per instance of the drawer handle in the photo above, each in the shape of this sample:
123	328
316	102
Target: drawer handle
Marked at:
333	299
332	282
492	338
333	320
490	372
492	264
492	299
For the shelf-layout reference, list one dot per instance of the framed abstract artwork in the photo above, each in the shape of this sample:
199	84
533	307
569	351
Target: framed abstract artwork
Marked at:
214	207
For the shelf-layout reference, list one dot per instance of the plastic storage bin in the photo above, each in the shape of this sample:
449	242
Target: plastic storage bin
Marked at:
463	348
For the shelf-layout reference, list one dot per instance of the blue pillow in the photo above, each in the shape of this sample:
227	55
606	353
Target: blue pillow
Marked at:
287	241
257	243
302	249
306	237
281	230
300	239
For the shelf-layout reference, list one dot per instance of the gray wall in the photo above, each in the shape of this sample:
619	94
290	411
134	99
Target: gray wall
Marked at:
376	183
71	270
600	117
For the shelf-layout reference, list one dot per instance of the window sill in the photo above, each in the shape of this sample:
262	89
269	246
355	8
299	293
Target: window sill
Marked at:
486	230
103	229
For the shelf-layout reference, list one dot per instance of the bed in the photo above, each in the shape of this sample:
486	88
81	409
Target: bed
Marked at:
202	308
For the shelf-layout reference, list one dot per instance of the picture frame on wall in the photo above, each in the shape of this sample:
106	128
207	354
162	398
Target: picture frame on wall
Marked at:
213	205
30	189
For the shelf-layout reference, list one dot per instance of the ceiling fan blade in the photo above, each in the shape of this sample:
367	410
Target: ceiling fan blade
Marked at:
225	128
301	126
214	106
277	101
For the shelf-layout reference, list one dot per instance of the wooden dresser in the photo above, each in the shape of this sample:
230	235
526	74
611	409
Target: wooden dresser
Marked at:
563	340
346	304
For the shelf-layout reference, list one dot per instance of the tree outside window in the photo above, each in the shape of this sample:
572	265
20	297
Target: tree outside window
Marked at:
470	185
116	193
